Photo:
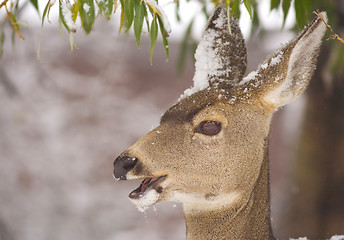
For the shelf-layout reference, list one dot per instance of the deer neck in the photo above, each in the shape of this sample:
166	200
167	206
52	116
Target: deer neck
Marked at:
248	218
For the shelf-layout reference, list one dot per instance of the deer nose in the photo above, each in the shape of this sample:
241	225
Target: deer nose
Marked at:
122	166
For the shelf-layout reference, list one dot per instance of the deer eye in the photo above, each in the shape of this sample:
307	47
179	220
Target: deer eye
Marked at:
209	128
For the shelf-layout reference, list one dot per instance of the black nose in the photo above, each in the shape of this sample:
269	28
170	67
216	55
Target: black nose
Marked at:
122	166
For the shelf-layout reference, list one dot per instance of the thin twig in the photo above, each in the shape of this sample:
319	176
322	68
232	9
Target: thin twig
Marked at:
13	23
153	7
334	35
3	3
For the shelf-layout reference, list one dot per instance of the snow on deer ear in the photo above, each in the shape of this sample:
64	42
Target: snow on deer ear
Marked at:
286	74
220	55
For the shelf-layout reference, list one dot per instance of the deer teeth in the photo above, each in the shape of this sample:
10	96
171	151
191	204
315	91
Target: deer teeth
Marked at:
146	184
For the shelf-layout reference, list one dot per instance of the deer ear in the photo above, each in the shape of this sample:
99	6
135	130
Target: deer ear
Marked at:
286	74
221	53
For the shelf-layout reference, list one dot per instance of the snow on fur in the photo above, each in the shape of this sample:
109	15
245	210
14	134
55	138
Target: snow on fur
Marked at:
220	55
208	61
268	63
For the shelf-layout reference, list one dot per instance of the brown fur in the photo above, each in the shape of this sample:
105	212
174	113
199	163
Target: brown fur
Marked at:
223	180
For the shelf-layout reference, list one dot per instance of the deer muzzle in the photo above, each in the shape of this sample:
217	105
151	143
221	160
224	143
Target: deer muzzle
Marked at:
122	165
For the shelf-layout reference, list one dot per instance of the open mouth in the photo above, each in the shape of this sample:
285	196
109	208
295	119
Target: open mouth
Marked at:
147	184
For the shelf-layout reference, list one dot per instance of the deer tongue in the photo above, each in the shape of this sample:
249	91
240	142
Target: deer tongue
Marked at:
146	184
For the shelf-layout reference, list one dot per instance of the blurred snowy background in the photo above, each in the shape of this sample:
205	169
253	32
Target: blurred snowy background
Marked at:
63	121
65	118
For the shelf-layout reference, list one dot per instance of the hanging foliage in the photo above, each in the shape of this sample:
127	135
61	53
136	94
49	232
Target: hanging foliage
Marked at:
133	14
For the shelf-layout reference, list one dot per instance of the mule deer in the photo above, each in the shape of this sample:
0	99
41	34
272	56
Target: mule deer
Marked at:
210	150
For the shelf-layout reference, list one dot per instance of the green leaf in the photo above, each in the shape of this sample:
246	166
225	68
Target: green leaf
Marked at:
204	10
129	6
46	10
216	2
14	24
308	9
184	48
75	10
2	40
274	4
300	13
229	20
60	27
303	11
13	38
115	3
35	4
48	14
177	11
151	10
255	20
248	7
235	7
106	7
164	37
109	8
71	42
285	7
16	6
61	17
138	21
87	15
153	35
147	20
47	7
121	23
65	16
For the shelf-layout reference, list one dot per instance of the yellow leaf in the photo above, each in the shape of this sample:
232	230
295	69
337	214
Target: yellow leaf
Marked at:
14	23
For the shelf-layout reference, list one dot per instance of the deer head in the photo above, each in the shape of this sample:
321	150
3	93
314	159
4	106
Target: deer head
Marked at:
210	150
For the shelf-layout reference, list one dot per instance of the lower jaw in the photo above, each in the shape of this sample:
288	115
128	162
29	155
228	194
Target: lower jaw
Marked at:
149	198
